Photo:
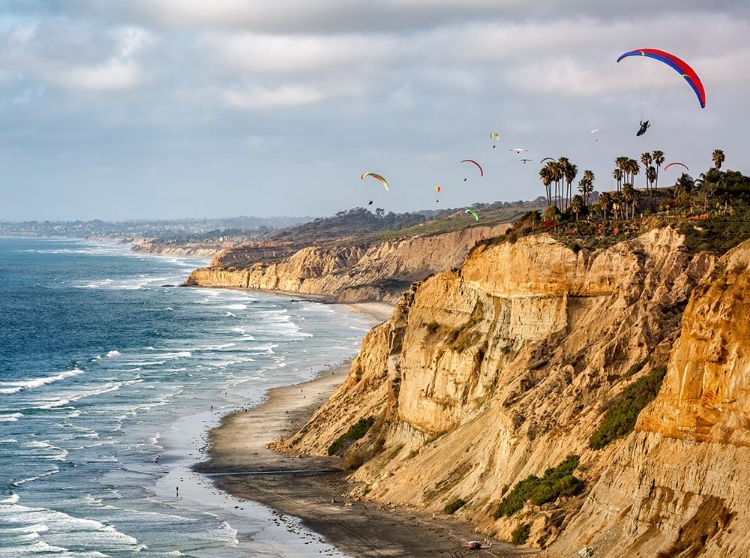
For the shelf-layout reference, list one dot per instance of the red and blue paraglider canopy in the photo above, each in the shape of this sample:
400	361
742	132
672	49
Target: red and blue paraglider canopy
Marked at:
680	66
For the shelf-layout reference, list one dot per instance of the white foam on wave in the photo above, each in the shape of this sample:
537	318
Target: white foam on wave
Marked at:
14	386
231	362
236	307
42	546
55	453
67	399
36	477
263	349
13	417
113	354
63	529
222	347
12	499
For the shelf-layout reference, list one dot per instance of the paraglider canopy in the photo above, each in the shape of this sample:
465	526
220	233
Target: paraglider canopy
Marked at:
481	171
676	163
680	66
472	213
546	159
376	177
518	149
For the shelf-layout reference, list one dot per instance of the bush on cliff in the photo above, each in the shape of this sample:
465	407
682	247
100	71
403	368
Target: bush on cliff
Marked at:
520	534
556	482
355	432
454	506
620	418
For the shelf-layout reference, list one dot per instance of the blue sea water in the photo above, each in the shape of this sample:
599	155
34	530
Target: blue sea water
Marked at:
109	382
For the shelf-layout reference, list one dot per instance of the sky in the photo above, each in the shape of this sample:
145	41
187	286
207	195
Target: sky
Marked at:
140	109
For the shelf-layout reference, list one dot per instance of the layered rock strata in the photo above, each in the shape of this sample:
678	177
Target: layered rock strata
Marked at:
348	274
499	370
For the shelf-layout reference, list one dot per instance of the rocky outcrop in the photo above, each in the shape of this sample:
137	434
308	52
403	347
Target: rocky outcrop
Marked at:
496	371
349	274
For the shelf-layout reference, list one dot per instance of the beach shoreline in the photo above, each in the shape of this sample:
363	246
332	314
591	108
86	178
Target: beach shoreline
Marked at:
314	489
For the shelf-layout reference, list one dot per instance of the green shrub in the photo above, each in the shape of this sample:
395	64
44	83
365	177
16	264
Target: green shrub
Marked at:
633	370
520	534
454	506
432	327
620	418
355	459
354	433
557	481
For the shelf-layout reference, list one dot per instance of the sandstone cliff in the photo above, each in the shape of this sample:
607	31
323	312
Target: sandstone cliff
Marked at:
349	274
679	485
190	249
488	374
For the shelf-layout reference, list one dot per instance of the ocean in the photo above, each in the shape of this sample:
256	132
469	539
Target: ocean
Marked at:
111	377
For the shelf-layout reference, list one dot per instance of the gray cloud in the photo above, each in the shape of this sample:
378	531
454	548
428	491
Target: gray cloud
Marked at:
168	108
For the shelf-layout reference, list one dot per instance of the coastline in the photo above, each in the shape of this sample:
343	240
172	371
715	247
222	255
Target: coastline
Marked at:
314	489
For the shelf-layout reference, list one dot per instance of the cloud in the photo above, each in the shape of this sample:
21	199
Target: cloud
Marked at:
115	75
300	54
285	96
76	56
303	16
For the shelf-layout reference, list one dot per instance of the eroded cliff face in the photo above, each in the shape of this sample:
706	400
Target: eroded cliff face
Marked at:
488	374
350	274
679	485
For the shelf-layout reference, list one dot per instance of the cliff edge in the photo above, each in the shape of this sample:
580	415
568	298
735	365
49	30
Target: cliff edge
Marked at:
353	273
495	373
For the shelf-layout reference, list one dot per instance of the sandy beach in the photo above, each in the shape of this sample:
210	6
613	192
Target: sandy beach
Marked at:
313	489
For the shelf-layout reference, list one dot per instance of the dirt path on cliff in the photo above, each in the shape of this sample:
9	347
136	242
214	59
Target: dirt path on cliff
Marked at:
314	489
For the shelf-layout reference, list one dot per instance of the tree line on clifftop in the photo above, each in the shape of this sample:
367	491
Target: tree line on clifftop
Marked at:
712	211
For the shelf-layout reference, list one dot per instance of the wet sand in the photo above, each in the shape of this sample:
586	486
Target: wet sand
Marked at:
314	488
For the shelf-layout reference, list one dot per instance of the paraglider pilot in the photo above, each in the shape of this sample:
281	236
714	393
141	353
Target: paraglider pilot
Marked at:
644	126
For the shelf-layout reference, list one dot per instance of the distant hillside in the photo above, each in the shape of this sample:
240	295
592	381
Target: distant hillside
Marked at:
166	230
360	225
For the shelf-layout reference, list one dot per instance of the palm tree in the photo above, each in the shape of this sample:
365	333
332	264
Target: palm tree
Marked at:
646	159
633	169
545	175
586	186
571	171
684	185
617	205
634	202
658	161
557	176
627	196
718	157
605	201
564	163
621	163
577	205
651	175
617	174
